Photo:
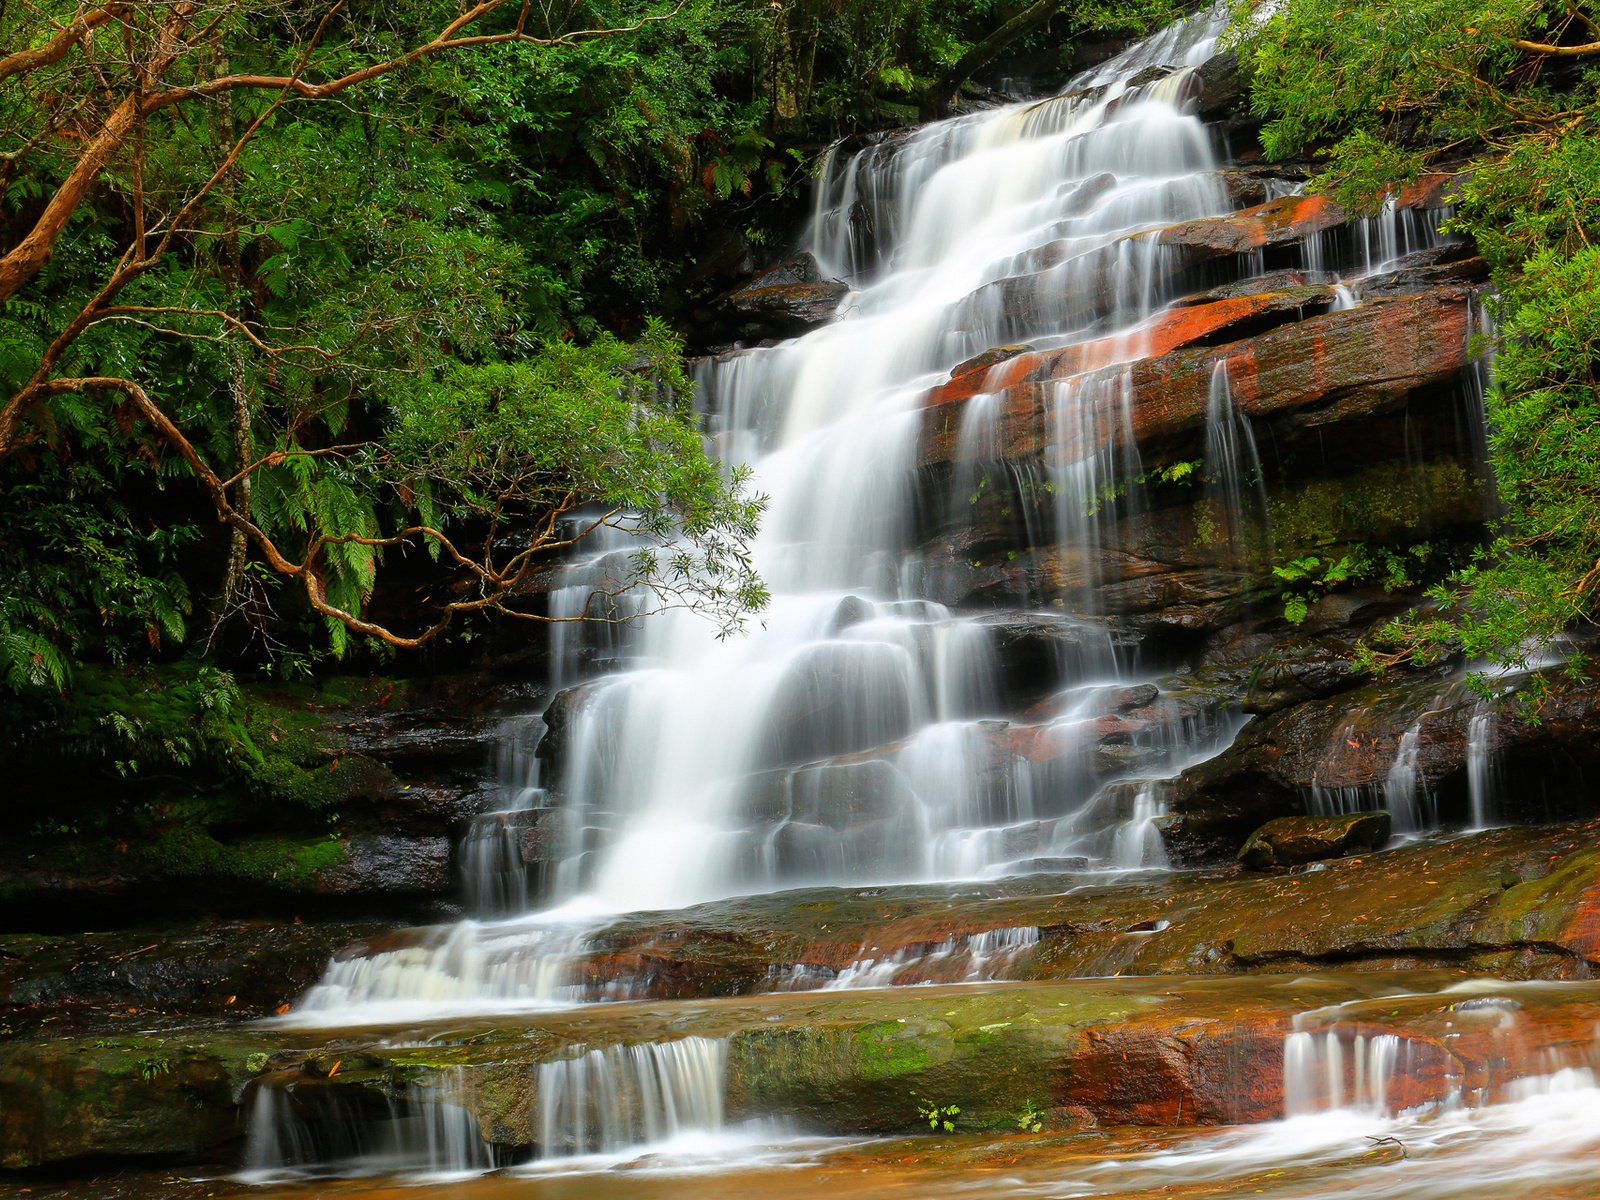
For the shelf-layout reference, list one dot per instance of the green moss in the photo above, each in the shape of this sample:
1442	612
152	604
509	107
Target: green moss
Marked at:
890	1048
191	852
1376	505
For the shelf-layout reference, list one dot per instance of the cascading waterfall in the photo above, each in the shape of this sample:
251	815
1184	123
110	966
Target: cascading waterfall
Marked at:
494	876
868	731
604	1100
685	761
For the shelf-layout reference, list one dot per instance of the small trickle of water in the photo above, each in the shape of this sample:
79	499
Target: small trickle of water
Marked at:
1138	842
1403	788
1482	776
1333	1070
1232	466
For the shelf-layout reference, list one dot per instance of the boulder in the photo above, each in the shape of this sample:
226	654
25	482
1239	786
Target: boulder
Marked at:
1221	83
388	866
1294	841
787	299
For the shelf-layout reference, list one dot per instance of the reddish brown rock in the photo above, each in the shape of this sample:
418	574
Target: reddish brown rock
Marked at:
1326	369
788	298
1274	223
1006	367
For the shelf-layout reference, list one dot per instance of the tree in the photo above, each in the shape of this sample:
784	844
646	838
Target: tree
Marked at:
1500	89
185	289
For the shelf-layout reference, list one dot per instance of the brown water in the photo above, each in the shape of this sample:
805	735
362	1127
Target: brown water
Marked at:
1544	1145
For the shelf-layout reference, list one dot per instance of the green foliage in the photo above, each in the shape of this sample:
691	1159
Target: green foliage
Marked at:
1186	472
1311	577
1365	79
939	1116
476	236
152	1066
1401	85
1030	1117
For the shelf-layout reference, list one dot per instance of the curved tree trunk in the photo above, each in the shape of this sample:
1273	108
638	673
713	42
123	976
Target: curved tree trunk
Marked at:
937	97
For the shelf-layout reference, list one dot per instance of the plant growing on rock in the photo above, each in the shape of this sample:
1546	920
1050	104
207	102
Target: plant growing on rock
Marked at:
1510	91
939	1116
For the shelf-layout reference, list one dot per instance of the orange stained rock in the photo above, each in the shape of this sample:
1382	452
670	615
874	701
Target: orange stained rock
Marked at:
1168	331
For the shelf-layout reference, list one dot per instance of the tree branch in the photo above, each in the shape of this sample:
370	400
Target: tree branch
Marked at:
29	256
21	62
1557	51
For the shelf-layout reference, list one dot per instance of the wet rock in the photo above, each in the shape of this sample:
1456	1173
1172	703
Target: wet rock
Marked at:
844	795
1294	841
1050	865
1222	81
838	698
388	866
234	968
1347	746
788	298
870	850
1296	669
852	610
1274	223
561	716
1203	321
1253	184
1124	699
1337	367
133	1096
1035	652
545	833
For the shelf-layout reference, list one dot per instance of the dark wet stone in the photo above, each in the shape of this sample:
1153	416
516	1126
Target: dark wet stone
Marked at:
386	865
788	298
1293	841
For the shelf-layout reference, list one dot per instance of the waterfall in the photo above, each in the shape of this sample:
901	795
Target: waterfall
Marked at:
1006	226
1401	789
1482	781
1334	1070
1231	466
972	958
1138	842
946	685
494	872
609	1099
350	1130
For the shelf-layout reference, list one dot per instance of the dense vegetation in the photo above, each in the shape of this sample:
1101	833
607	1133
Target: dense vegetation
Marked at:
1510	91
325	325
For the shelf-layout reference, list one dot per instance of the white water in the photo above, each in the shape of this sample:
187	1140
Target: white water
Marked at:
428	1132
973	958
605	1100
679	755
1233	469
